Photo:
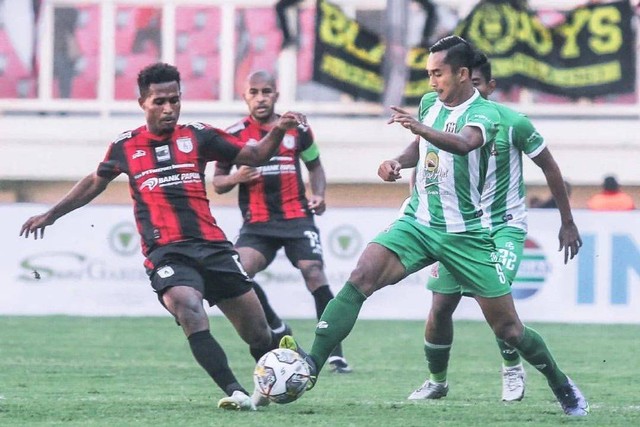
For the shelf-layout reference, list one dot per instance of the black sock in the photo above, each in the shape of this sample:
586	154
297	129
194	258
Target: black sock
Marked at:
272	318
211	357
322	296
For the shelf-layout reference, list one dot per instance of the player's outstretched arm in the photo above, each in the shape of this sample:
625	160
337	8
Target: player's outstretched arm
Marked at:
87	189
568	236
467	140
258	154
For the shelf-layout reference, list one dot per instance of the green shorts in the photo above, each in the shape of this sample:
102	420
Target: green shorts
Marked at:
509	245
470	256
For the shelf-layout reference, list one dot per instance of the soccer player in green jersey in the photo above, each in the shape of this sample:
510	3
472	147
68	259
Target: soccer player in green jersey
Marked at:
442	221
505	213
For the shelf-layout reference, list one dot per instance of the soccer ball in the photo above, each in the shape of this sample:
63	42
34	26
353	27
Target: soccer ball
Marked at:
281	375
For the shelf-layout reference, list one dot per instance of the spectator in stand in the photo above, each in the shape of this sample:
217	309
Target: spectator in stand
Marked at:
550	203
611	198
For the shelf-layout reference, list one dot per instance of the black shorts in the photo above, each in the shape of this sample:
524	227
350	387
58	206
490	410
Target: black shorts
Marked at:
213	268
302	243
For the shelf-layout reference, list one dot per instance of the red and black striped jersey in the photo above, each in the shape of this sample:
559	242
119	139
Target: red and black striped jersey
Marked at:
166	180
279	193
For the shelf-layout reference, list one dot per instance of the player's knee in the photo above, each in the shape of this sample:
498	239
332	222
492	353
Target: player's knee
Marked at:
508	331
260	338
313	274
440	313
360	278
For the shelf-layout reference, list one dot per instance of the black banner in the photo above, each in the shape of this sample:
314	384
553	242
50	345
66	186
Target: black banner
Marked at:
591	54
347	56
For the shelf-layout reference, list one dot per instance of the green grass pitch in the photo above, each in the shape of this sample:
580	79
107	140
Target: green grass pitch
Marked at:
79	371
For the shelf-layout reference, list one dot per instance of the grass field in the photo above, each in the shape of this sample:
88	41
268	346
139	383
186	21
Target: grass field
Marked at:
76	371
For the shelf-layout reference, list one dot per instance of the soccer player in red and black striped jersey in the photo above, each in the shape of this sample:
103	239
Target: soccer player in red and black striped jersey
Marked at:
276	210
188	257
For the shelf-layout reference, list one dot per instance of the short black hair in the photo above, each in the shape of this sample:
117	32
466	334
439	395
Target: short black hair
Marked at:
159	72
482	64
610	183
459	52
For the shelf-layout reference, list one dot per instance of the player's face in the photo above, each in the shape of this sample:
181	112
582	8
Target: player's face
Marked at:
261	97
448	84
479	82
161	107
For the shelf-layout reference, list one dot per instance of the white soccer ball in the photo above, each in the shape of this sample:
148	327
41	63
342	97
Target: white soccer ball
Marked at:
281	375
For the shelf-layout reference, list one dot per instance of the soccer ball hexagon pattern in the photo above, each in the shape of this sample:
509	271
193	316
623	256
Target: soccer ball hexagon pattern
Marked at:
281	375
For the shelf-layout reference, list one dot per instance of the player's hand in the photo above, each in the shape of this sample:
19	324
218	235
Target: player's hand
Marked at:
405	119
291	120
36	225
570	241
389	170
246	174
316	205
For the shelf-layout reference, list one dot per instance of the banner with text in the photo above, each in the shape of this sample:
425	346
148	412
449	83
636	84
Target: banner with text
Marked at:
89	263
349	58
591	53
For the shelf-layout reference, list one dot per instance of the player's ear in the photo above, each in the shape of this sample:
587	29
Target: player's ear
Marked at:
492	86
464	73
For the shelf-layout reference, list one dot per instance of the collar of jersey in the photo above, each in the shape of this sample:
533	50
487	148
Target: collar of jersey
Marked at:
466	103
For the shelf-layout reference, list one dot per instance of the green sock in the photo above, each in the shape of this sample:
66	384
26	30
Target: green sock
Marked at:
438	360
336	323
510	356
533	349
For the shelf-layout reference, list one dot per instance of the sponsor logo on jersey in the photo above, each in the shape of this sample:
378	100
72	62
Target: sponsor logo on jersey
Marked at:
450	127
289	142
149	184
164	169
165	272
138	153
431	161
168	180
185	144
162	153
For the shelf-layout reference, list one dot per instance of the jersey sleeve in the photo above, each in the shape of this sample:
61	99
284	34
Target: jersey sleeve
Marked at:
216	144
308	148
526	138
485	118
112	166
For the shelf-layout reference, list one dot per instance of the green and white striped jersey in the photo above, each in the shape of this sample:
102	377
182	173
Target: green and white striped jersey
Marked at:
447	190
503	195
